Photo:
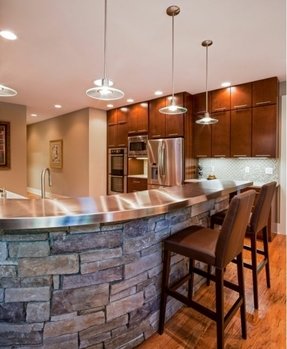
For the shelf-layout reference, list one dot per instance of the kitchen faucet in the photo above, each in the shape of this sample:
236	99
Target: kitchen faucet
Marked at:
43	174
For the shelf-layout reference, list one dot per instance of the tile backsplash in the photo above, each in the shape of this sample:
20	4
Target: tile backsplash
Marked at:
253	169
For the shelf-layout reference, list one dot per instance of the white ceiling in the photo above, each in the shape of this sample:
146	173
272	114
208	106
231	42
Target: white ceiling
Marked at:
60	48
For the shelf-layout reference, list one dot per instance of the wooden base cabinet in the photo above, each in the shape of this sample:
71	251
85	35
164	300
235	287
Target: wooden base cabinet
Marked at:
136	184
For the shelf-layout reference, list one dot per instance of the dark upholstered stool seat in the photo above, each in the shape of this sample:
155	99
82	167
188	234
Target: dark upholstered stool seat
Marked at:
258	223
216	248
196	242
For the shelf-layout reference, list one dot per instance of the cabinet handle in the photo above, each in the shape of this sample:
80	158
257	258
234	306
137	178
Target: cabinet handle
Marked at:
121	145
143	130
201	156
261	103
200	112
122	122
173	134
263	155
239	155
240	106
219	155
111	145
155	136
220	109
132	132
136	182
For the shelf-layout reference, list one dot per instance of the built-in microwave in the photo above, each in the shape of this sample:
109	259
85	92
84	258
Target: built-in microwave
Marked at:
137	146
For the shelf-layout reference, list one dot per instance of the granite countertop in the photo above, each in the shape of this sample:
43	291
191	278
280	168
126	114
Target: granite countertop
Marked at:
47	213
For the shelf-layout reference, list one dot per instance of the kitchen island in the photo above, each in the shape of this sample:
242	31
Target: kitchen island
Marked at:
86	272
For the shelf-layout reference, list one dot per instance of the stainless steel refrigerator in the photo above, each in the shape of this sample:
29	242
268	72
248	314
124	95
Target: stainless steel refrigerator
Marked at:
165	162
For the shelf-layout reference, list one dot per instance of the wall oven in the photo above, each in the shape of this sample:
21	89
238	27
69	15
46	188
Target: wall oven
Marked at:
137	146
117	168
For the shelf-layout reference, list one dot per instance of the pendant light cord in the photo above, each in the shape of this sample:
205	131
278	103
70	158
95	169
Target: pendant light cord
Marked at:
172	61
206	79
105	40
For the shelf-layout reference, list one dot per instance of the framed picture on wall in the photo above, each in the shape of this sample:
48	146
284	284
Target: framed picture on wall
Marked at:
56	153
4	145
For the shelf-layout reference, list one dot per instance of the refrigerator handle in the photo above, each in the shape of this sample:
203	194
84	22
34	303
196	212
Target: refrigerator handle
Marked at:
163	153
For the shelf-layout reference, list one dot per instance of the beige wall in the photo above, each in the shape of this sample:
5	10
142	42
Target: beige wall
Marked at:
84	146
15	178
98	152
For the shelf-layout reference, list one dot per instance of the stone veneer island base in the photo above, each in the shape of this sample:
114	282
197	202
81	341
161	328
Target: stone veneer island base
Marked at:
93	286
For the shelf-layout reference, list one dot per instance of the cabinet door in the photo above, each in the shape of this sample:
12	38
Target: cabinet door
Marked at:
174	123
201	141
112	135
265	92
136	184
122	115
138	118
220	135
240	132
199	103
156	119
264	131
220	100
112	117
122	134
241	96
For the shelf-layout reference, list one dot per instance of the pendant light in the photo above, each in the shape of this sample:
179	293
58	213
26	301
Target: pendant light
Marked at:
207	119
104	90
172	109
6	91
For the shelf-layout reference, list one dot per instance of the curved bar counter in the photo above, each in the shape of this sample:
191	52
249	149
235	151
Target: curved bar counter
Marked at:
86	272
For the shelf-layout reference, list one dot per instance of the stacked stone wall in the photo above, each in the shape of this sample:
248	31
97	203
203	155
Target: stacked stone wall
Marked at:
88	286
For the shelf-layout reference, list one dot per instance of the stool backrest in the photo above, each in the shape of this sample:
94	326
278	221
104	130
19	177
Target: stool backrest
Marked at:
262	207
231	238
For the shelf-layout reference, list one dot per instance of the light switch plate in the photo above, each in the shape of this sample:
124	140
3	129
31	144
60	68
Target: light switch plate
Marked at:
269	170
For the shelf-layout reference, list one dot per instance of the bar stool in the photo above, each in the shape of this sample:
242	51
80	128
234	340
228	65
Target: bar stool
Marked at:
216	248
258	223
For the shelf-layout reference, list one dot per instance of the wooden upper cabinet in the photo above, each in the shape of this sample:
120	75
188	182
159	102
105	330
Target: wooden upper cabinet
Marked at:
240	132
122	115
201	141
112	117
264	131
199	103
138	118
117	128
265	92
220	100
220	135
156	119
174	123
241	96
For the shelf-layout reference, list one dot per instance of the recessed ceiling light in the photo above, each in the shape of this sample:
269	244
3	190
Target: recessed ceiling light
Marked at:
7	34
58	106
124	109
35	115
158	93
226	84
144	105
130	100
110	105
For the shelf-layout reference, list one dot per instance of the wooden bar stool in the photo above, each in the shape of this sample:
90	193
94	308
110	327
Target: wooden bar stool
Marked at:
258	223
216	248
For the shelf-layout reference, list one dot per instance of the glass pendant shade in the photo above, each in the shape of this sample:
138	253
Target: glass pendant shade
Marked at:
173	109
103	90
206	119
7	91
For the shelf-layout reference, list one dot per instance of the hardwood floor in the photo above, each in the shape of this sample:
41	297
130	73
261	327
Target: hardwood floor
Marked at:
266	328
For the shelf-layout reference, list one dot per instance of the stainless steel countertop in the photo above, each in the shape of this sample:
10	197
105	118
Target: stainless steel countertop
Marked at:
51	213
